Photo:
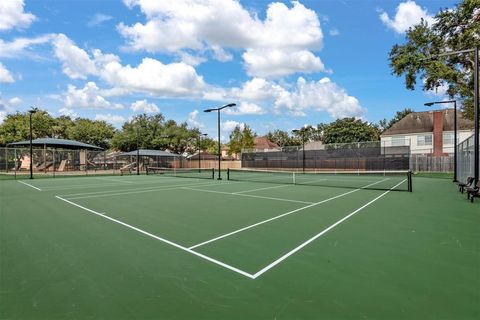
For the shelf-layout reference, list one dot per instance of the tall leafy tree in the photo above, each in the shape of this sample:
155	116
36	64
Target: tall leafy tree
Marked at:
348	130
148	129
16	126
94	132
454	29
282	138
241	139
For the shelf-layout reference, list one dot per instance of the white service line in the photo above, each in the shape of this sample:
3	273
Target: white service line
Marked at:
243	273
28	184
288	254
251	190
140	191
280	216
246	195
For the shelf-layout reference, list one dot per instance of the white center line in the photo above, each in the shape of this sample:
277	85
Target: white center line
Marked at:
251	190
271	265
280	216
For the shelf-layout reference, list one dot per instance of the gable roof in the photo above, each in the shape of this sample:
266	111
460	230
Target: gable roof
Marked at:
417	122
262	143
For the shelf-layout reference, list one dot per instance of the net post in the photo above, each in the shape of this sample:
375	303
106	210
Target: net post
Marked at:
213	173
410	187
228	173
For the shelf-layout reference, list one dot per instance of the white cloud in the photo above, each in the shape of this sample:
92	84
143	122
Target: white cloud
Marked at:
76	62
150	76
229	125
88	97
114	119
6	107
206	25
144	106
407	14
154	77
280	62
12	15
193	119
68	112
257	89
322	96
5	75
15	101
245	108
21	47
98	19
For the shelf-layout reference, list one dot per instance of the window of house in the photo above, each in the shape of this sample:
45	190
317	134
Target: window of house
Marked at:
398	141
448	138
424	140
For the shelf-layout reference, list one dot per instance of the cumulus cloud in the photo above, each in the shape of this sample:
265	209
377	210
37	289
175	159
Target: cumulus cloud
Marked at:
76	62
193	119
280	62
88	97
206	26
229	125
322	95
245	108
144	106
68	112
150	76
5	75
21	47
12	15
15	101
114	119
407	14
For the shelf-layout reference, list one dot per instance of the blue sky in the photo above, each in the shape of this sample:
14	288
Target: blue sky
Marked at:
285	63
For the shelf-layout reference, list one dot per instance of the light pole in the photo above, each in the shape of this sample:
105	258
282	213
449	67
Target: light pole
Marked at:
31	112
475	103
218	125
302	132
429	104
138	152
199	140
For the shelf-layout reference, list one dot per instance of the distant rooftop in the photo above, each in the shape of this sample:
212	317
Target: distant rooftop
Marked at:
417	122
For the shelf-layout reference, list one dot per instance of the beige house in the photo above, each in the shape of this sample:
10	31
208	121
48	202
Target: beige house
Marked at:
428	132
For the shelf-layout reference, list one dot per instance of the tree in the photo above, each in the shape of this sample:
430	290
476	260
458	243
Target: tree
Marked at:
454	29
16	126
150	131
282	138
348	130
241	139
98	133
385	124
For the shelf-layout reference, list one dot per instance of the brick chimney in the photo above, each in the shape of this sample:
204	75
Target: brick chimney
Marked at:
438	134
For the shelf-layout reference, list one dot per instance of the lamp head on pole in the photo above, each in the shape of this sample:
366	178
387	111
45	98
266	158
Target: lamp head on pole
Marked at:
33	110
429	104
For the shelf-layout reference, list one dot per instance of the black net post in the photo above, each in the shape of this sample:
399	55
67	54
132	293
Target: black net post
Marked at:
409	178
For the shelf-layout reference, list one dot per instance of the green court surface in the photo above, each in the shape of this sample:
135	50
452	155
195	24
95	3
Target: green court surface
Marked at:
159	247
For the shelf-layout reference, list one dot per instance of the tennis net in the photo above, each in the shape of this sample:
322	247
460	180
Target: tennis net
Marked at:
373	180
182	172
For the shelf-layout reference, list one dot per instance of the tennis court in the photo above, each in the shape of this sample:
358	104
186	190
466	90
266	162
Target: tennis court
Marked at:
256	246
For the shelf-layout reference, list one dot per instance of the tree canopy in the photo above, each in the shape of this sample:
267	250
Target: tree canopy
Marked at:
454	29
348	130
399	115
241	139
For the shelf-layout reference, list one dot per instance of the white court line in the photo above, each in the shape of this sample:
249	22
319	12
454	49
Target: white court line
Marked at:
243	273
246	195
28	184
140	191
271	265
283	186
114	180
279	216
